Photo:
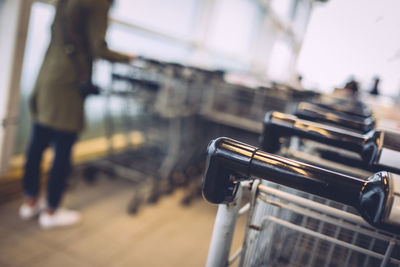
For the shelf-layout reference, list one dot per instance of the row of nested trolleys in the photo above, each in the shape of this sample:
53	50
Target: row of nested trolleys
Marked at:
167	105
287	227
284	227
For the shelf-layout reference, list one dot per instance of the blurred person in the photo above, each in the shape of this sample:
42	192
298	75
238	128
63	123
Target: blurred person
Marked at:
57	103
375	87
352	86
349	90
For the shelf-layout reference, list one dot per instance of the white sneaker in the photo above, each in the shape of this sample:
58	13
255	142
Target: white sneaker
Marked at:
27	212
60	218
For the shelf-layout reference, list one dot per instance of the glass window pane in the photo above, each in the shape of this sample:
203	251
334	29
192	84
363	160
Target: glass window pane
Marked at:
234	26
173	16
301	17
282	8
280	60
130	40
36	46
338	46
217	61
5	62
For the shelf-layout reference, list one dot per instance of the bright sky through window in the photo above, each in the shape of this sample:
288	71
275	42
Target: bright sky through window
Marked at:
359	38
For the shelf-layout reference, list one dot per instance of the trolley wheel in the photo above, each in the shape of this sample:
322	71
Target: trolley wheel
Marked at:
155	191
154	197
170	185
134	204
187	199
193	192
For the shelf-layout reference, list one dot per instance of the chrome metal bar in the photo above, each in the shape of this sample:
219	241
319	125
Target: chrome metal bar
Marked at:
235	256
326	238
222	235
370	247
254	190
316	244
325	215
348	257
388	253
244	209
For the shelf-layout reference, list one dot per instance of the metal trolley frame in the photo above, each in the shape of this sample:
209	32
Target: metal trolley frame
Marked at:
286	229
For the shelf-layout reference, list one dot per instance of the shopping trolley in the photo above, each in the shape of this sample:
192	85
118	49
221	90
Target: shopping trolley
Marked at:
286	227
180	101
237	105
350	106
375	150
160	102
130	115
235	109
327	114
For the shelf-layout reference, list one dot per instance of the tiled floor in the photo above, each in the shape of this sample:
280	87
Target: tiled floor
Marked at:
165	234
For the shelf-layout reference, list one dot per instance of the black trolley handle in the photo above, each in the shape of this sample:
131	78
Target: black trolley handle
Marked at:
344	105
277	125
313	112
230	162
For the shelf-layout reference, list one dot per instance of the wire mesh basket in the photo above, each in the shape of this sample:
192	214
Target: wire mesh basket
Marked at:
289	228
286	227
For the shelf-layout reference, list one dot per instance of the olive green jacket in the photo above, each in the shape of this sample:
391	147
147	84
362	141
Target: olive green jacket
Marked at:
56	101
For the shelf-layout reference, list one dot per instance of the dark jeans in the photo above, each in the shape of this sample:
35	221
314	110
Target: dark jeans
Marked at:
62	143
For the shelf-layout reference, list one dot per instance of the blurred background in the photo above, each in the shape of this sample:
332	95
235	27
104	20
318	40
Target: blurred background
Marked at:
208	68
